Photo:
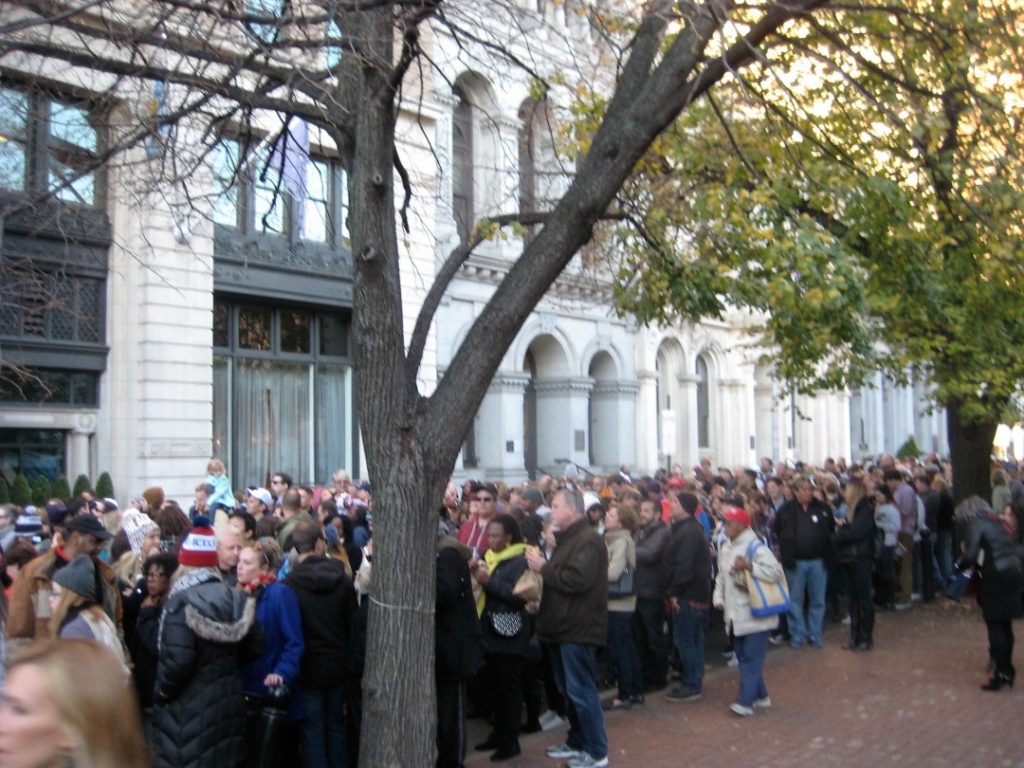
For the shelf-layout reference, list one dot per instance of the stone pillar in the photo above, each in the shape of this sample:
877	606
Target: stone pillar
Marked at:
500	434
78	454
764	418
686	422
562	422
731	435
645	420
612	410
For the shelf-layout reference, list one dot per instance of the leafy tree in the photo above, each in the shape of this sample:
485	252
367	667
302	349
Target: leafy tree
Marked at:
61	489
225	66
5	492
82	485
41	490
861	197
909	449
21	491
105	486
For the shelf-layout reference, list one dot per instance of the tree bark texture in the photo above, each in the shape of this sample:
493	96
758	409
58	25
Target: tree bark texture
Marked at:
970	450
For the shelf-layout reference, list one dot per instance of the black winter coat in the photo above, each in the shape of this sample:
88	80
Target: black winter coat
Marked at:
804	534
855	541
650	556
206	633
458	652
1002	573
327	602
688	562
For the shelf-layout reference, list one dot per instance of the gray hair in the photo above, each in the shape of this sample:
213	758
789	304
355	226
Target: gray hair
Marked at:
970	508
574	498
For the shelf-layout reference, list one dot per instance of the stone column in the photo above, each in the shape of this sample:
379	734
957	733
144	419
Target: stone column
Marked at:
613	410
645	420
686	422
562	422
764	417
78	454
500	436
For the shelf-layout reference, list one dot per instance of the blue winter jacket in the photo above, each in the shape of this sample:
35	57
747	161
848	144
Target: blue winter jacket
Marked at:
277	610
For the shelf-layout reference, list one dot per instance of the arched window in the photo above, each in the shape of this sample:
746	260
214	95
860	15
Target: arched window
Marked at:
462	166
703	407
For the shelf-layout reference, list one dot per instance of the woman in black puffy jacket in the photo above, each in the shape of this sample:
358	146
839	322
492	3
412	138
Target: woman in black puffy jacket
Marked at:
854	542
207	632
1002	578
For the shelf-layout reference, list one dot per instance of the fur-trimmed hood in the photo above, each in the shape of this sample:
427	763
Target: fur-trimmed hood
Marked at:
215	612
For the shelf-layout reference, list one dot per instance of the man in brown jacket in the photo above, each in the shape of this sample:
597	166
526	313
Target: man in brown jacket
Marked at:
28	617
574	618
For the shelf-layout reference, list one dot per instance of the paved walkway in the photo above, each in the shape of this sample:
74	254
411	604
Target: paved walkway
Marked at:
912	701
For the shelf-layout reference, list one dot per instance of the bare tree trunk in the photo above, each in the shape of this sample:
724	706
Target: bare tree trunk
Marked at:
970	450
399	710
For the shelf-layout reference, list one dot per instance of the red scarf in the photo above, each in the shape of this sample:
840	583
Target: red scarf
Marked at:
258	583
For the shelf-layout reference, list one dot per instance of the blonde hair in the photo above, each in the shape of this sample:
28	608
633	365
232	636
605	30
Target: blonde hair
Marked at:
66	602
95	699
216	467
269	552
858	489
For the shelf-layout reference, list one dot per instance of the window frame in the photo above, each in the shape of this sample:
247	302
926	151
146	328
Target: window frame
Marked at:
463	181
39	142
246	182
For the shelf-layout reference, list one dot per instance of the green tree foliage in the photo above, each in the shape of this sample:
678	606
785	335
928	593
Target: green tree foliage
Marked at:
41	490
105	486
61	489
21	491
82	484
909	449
5	492
860	194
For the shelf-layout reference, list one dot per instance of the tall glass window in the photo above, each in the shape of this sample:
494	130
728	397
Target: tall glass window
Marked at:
48	145
244	201
282	392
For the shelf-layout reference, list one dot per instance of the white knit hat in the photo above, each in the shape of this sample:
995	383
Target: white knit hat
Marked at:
137	526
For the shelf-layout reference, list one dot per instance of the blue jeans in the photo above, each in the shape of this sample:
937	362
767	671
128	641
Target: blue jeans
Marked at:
811	577
575	667
688	638
323	730
750	652
622	653
944	556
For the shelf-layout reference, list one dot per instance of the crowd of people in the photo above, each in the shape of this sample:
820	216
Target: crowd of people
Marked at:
233	632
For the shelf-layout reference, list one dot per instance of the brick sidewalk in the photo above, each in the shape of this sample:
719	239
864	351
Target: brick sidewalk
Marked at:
912	701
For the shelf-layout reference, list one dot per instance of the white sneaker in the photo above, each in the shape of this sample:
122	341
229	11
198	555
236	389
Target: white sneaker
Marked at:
847	620
584	760
740	710
733	662
550	720
763	703
560	751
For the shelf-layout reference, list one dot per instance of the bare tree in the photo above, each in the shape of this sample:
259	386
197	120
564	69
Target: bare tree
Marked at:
227	65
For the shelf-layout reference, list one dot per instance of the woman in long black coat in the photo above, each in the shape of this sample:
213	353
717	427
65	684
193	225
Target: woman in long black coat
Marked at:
854	544
1002	579
207	632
